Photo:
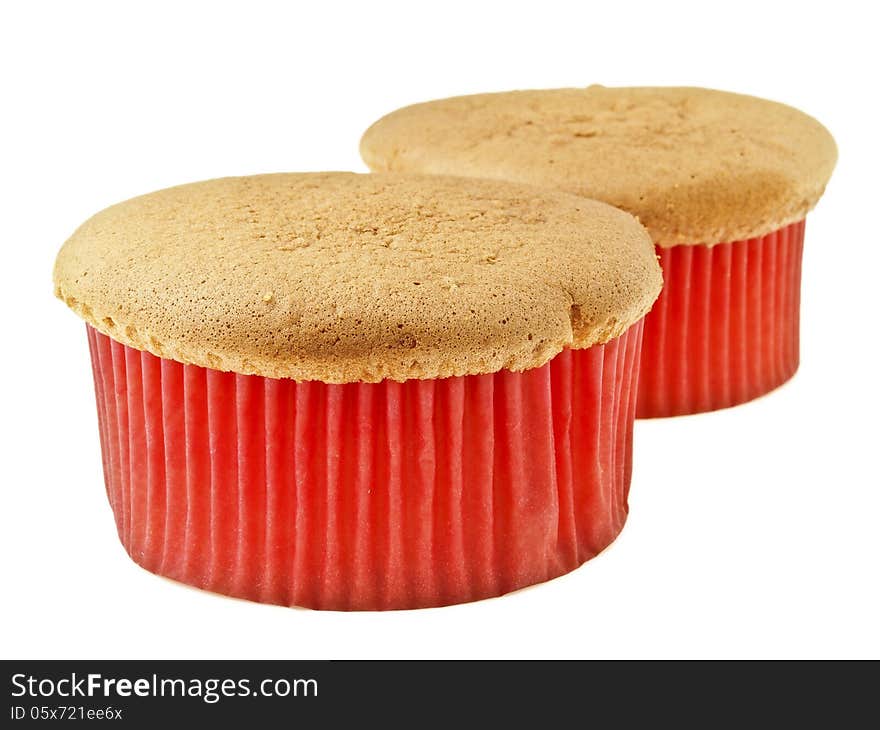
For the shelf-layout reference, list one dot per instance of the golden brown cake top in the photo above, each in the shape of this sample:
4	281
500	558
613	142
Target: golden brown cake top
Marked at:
694	165
340	277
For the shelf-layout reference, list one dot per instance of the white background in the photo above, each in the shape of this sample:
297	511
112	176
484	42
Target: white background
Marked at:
753	532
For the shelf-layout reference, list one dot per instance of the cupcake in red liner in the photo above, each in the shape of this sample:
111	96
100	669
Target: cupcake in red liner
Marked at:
354	392
722	182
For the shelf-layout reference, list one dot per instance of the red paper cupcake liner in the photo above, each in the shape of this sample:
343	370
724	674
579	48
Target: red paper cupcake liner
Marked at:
366	495
726	326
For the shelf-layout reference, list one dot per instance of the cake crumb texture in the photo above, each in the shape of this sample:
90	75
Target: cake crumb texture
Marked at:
340	277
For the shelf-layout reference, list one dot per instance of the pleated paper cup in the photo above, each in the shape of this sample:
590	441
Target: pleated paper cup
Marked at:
366	495
725	329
